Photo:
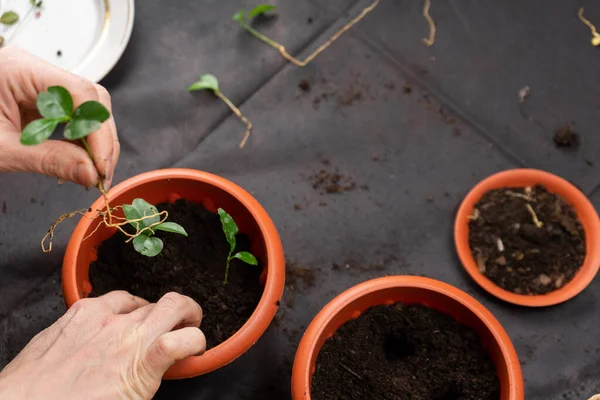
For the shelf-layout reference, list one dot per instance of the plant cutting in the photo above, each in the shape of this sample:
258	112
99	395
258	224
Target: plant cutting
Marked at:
528	237
56	108
244	19
235	314
414	326
211	83
9	18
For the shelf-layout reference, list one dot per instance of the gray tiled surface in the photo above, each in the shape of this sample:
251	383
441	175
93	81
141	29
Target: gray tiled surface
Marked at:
397	147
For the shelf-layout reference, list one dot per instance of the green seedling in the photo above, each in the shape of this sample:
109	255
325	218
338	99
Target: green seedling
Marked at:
211	83
56	108
230	229
146	220
244	18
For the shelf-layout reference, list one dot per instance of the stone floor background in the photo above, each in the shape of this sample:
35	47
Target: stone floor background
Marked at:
413	156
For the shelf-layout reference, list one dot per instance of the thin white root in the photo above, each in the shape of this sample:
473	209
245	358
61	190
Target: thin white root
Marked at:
534	216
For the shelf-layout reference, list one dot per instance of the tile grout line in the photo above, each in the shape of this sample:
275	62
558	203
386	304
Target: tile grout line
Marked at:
438	95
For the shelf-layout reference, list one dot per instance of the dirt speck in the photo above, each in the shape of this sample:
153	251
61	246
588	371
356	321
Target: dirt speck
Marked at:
589	163
565	137
4	208
297	207
332	182
406	89
304	85
310	20
430	199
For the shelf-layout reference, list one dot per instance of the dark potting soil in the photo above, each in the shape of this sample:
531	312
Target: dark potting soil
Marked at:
193	266
401	352
514	252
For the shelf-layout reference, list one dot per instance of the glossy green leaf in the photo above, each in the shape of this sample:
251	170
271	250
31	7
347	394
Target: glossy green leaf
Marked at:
148	246
239	16
170	227
138	209
91	111
206	82
230	228
260	10
9	18
38	131
78	129
246	257
56	103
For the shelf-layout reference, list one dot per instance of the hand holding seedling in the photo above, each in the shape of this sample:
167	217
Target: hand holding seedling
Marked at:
22	78
230	229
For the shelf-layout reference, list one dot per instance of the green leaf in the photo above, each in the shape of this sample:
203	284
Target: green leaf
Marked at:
9	18
229	228
38	131
260	10
239	16
91	111
246	257
77	129
206	82
55	103
170	227
138	209
148	246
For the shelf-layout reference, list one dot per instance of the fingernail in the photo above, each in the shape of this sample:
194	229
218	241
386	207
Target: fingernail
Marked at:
84	174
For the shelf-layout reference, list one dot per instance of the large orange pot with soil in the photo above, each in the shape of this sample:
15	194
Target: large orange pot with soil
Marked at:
543	237
425	297
199	195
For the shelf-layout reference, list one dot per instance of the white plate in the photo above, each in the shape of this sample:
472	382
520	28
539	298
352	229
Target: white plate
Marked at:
86	37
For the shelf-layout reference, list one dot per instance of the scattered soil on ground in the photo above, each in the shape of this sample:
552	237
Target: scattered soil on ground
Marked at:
400	352
522	253
406	89
193	266
331	182
565	137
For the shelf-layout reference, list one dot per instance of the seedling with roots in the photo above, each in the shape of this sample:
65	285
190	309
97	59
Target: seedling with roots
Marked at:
230	229
56	108
210	82
244	18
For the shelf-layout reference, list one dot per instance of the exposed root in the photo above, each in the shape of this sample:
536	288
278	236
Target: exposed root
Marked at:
534	216
321	48
431	39
475	215
520	195
357	376
595	35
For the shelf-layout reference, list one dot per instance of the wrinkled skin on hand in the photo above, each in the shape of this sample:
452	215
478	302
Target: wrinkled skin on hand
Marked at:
116	346
22	77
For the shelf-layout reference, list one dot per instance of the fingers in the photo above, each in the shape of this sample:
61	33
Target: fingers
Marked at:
121	302
172	310
173	346
104	143
33	75
63	160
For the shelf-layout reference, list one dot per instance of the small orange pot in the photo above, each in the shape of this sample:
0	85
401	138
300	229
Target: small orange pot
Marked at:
409	290
530	177
212	192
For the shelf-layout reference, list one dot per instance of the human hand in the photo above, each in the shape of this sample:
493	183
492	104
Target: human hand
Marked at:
116	346
22	77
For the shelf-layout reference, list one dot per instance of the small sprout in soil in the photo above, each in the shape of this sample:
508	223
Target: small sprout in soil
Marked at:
210	82
146	220
431	39
230	229
9	18
595	34
244	18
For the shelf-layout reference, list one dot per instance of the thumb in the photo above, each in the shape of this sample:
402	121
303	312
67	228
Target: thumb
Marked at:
63	160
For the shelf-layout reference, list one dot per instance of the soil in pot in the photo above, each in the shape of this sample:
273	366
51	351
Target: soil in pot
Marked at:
401	352
526	240
193	266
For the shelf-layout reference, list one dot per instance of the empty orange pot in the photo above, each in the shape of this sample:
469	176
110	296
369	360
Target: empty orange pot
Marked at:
409	290
212	192
530	177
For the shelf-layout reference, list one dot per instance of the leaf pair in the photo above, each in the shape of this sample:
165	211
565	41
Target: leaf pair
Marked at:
230	229
260	9
145	218
56	107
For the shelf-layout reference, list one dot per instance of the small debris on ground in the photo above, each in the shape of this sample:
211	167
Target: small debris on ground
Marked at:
304	85
331	182
406	89
310	20
565	137
523	94
59	53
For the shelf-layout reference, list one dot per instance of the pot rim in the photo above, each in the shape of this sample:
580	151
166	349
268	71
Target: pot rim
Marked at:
301	374
264	313
529	177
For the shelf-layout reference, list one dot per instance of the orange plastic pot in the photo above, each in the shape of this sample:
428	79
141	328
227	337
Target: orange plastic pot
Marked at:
530	177
212	192
409	290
